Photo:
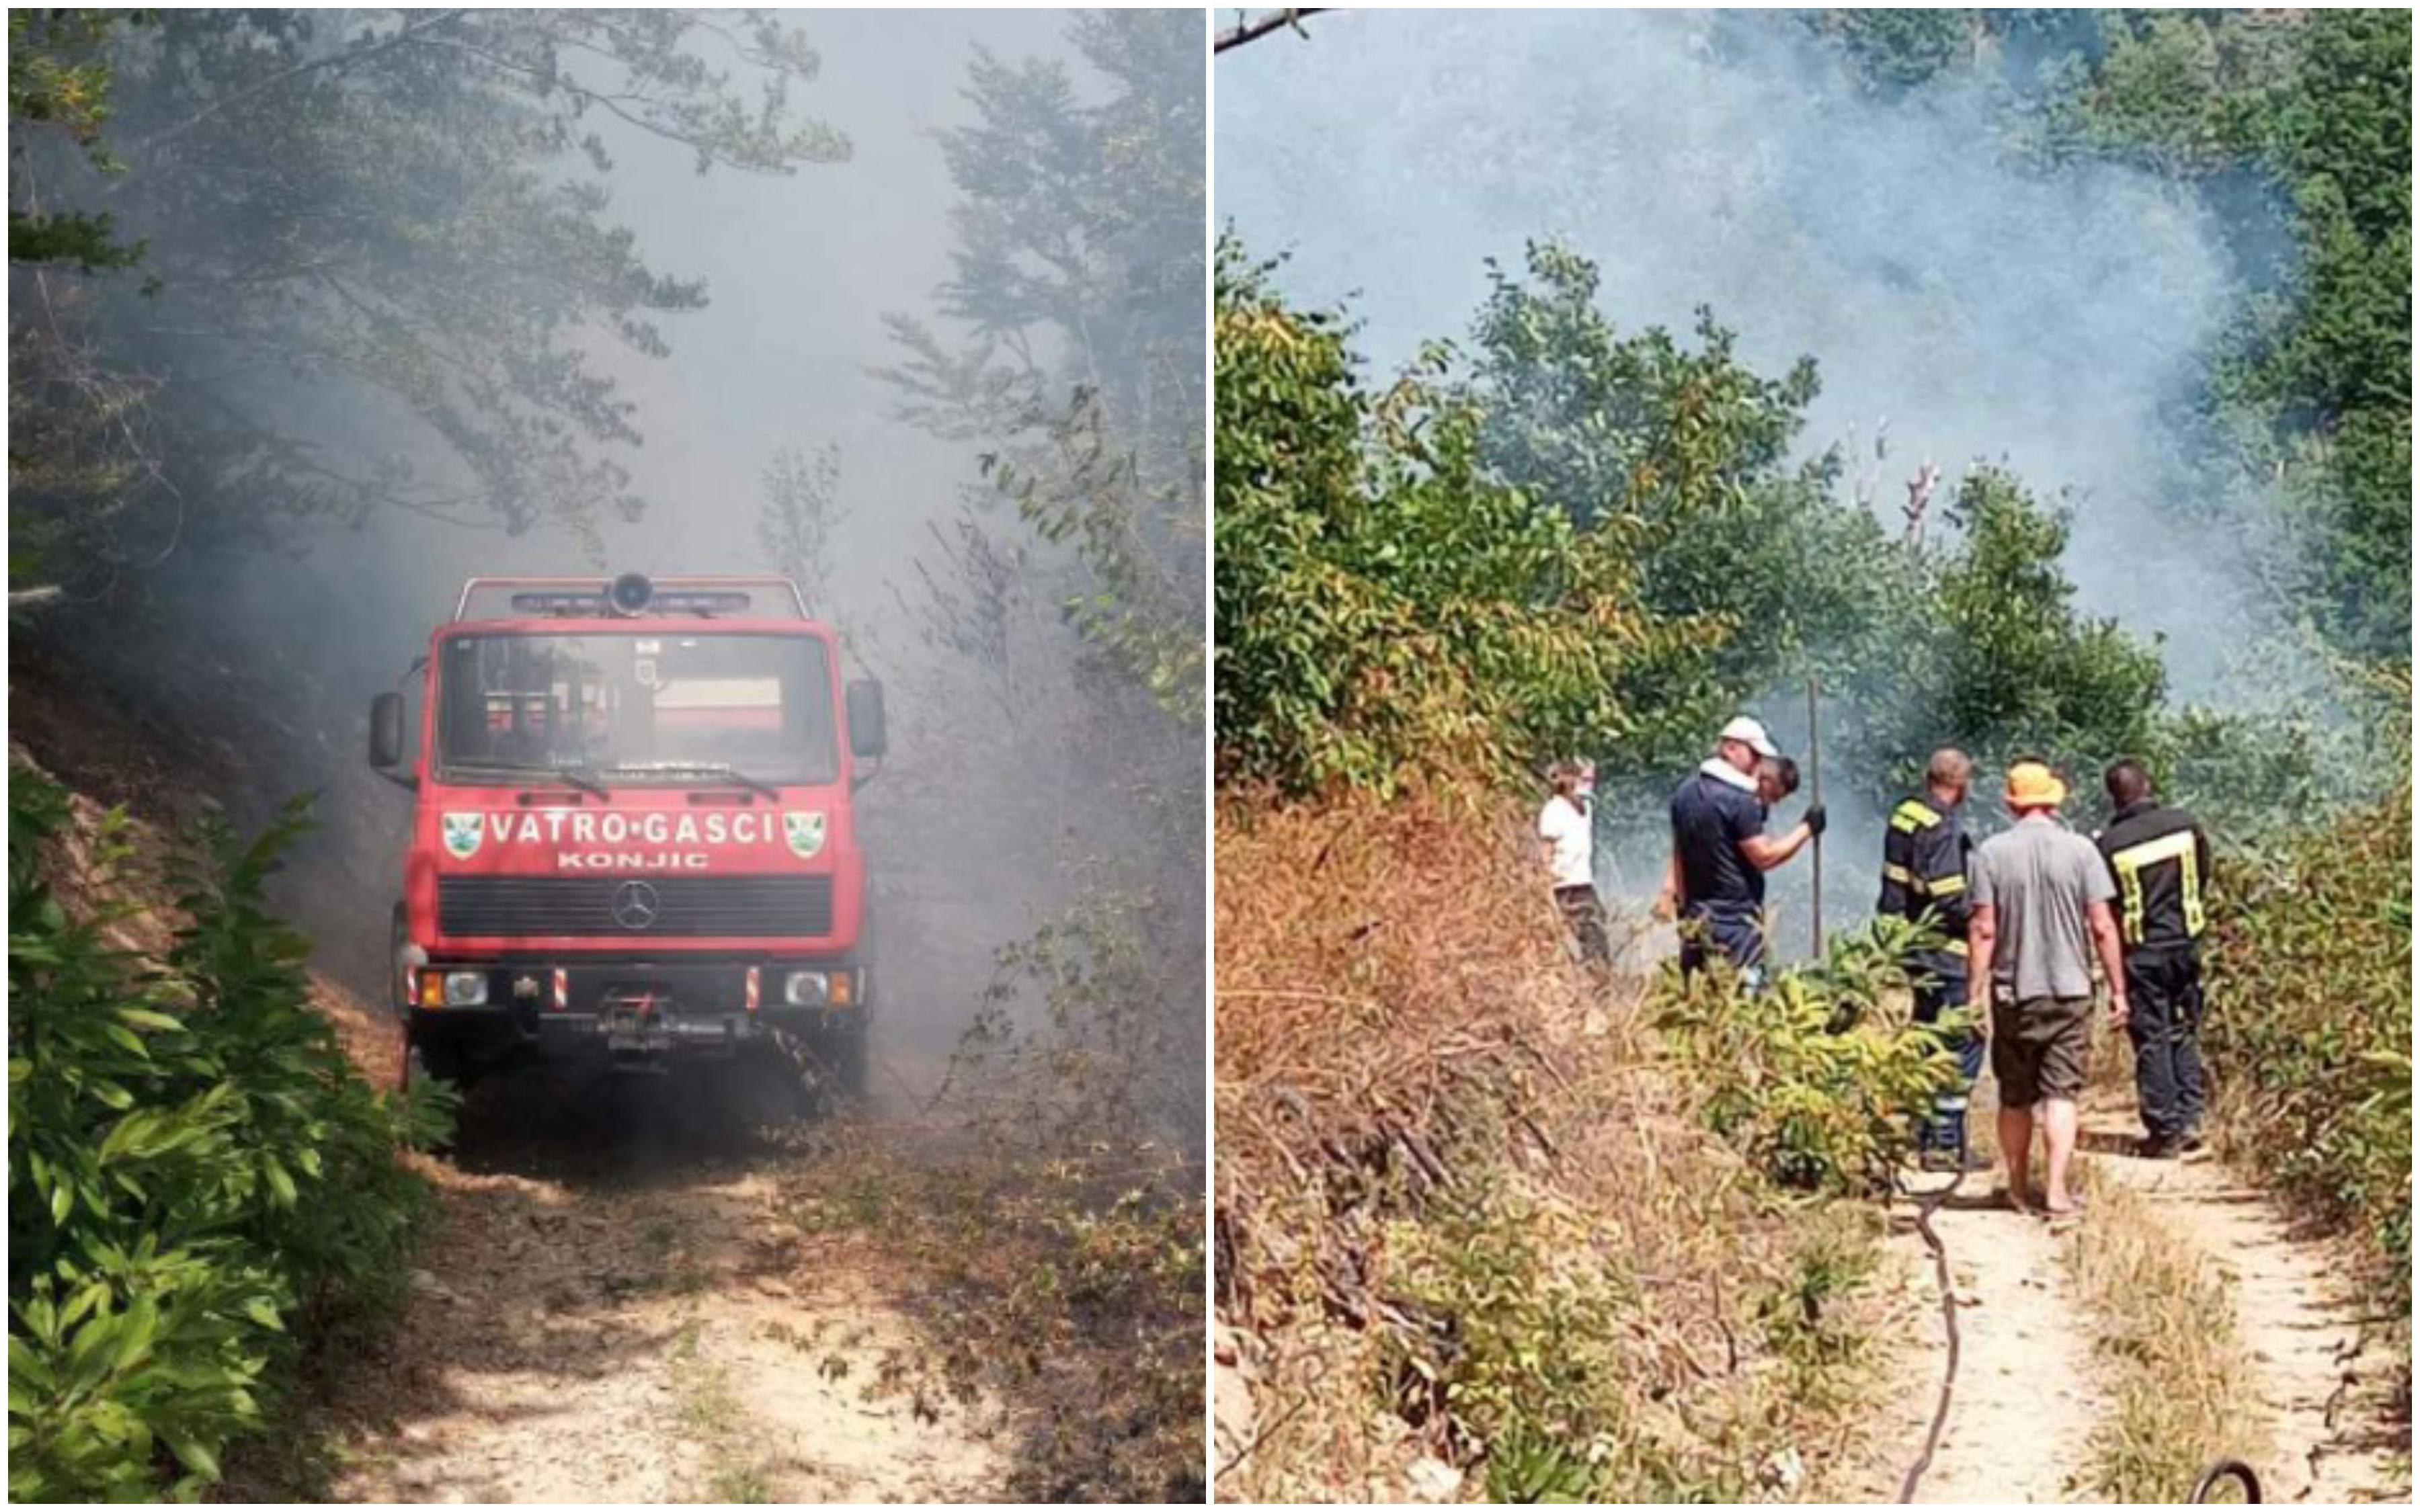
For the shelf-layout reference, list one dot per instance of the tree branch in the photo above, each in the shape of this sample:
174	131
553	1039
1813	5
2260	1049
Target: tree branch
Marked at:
278	80
1288	19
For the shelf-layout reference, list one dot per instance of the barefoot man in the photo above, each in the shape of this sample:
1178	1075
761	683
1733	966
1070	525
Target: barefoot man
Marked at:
2040	915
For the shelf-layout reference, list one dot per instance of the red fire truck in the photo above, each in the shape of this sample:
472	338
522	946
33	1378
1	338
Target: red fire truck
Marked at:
633	834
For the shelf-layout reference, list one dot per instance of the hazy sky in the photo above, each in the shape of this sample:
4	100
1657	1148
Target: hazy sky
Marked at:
800	271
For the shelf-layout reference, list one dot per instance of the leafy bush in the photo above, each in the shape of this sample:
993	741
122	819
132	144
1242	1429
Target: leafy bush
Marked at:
1820	1077
2309	1027
1579	539
2002	663
1522	1359
1385	608
1678	452
197	1177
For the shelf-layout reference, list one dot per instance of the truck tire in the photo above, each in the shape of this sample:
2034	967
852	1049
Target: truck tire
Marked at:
841	1056
777	1085
426	1061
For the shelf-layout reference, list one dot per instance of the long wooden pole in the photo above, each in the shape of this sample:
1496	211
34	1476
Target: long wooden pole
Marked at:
1815	789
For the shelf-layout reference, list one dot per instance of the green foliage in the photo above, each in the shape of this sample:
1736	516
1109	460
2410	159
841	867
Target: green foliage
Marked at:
1891	52
1587	541
1681	455
2295	128
1802	1320
196	1173
1517	1326
1140	605
59	79
1997	659
1076	273
2250	776
395	226
1112	1054
1384	605
1066	640
2314	387
1819	1077
2310	1017
1530	1362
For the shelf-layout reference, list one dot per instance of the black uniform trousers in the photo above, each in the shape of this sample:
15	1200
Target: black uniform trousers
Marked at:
2164	1001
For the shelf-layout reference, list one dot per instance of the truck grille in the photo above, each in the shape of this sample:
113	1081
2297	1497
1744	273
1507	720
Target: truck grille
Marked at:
488	907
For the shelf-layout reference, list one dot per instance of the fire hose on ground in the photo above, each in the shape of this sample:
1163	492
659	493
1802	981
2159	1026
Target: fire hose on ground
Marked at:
2215	1474
2218	1473
1925	1207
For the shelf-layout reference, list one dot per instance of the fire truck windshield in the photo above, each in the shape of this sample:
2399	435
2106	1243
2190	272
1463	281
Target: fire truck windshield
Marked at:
644	705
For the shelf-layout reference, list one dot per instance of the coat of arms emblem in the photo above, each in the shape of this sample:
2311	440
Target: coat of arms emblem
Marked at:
464	832
805	832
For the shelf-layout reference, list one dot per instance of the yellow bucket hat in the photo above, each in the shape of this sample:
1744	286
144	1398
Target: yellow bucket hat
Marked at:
2033	785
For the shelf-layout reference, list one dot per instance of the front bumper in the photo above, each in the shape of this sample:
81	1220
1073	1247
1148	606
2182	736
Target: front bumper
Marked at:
571	1007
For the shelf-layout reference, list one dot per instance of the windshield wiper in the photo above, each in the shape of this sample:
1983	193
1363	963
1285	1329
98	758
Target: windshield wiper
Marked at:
568	776
708	768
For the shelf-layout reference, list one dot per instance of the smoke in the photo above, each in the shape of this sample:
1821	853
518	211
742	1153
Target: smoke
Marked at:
800	271
1960	306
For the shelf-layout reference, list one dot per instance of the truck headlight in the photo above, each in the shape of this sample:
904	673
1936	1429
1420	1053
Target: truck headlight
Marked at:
466	989
805	989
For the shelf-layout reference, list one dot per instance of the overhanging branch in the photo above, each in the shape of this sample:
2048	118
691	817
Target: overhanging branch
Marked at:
1253	31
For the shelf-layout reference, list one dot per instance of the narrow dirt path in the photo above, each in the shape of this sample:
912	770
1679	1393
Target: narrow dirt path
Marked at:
612	1305
2028	1394
576	1343
2296	1314
2025	1403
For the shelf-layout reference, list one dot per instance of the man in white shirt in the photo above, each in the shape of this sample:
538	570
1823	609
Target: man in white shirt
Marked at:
1567	833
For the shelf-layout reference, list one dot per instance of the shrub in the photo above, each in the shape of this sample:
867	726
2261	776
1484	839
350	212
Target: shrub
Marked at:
1820	1077
2309	1029
1384	607
197	1178
1464	1215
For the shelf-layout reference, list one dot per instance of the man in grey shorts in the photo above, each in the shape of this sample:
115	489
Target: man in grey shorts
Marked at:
2040	915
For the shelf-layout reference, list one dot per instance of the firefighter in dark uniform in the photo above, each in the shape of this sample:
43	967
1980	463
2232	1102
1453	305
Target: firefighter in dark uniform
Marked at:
2160	858
1924	879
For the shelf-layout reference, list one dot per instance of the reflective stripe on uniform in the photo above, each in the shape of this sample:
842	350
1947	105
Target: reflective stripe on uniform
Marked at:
1900	874
1951	886
1914	815
2177	846
2192	864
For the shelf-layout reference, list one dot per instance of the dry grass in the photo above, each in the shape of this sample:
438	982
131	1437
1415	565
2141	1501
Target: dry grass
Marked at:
1472	1239
2165	1329
1068	1285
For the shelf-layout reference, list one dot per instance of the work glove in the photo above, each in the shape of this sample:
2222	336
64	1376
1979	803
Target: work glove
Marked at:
1815	820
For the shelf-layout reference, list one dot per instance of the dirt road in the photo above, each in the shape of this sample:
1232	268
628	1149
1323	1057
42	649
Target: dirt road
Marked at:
613	1304
2030	1391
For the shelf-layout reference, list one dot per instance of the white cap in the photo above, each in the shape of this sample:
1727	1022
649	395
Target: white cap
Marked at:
1750	734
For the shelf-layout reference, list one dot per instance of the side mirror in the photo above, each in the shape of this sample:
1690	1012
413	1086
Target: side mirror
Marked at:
865	732
387	730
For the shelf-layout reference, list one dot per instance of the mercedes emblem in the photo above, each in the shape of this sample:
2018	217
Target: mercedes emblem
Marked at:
636	905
